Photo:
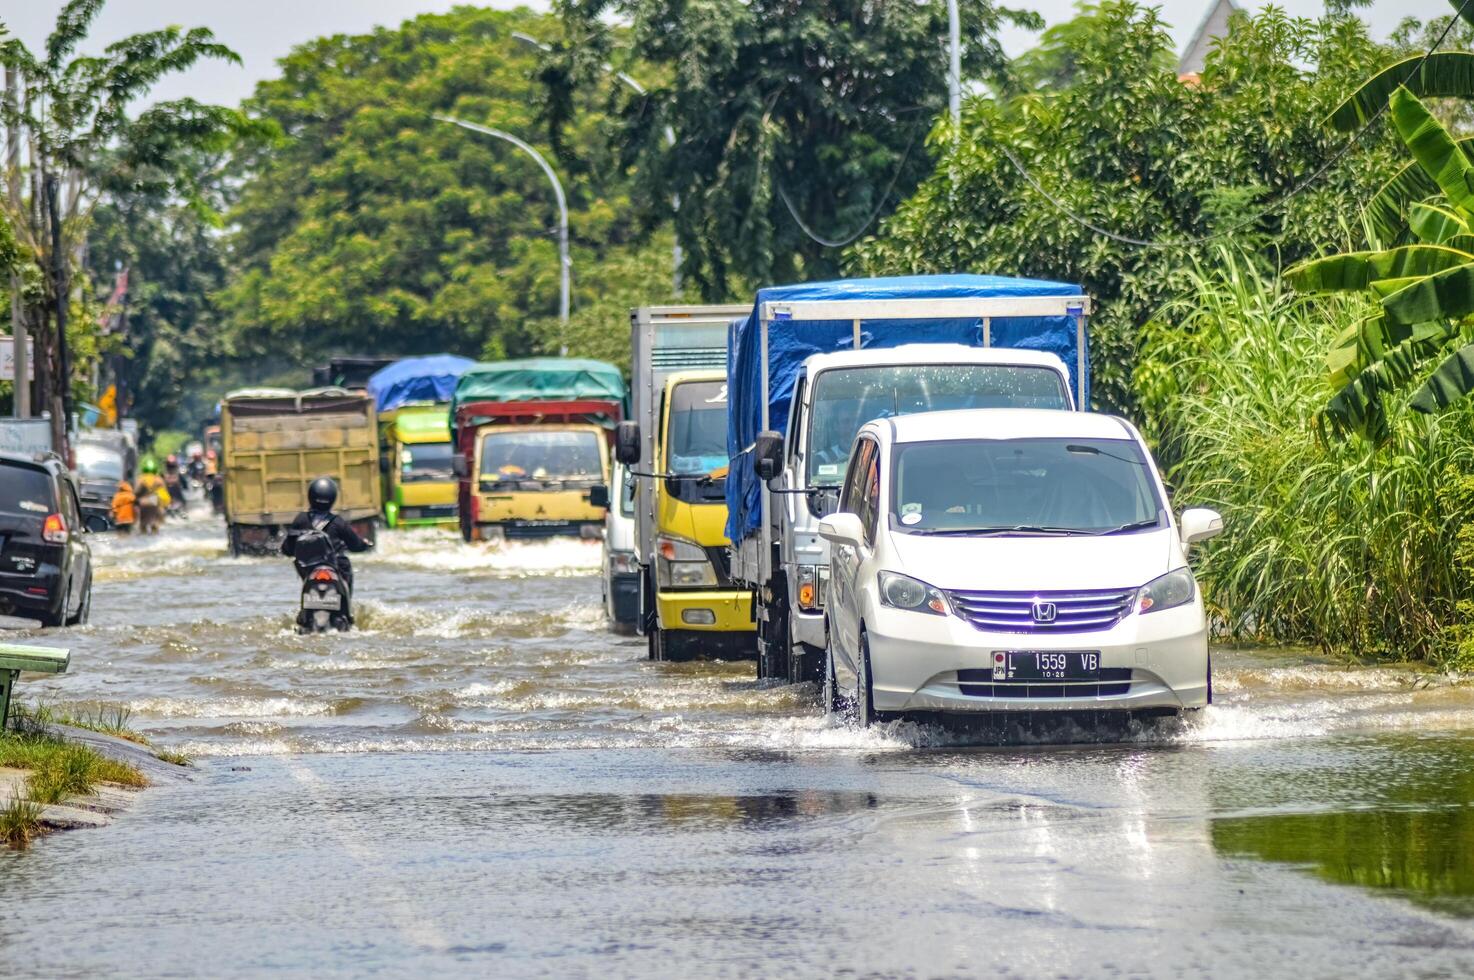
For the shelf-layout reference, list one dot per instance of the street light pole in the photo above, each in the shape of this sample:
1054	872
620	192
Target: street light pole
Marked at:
677	256
565	264
954	71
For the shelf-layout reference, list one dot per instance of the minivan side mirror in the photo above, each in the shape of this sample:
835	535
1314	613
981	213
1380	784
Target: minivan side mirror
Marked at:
458	465
767	455
94	523
599	496
842	528
1200	524
627	442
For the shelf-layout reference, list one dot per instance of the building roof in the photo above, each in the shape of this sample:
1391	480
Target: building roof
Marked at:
1213	25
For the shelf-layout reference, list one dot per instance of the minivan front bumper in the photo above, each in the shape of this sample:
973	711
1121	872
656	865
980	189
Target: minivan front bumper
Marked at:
1156	660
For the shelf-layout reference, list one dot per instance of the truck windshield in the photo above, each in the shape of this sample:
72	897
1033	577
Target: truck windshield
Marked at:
698	438
542	456
1023	486
846	398
426	461
98	463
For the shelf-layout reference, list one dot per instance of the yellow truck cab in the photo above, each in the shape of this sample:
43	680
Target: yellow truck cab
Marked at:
675	445
419	478
532	443
697	608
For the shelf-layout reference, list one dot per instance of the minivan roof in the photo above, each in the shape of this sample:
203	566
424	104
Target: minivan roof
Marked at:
37	461
935	354
1002	423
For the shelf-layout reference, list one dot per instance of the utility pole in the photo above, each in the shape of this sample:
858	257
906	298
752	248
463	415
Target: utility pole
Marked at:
61	387
21	403
954	67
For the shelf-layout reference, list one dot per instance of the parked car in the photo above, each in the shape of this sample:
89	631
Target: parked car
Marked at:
621	569
1004	560
45	562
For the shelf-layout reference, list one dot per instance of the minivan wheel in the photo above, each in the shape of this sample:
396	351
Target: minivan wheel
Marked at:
864	698
52	619
832	700
84	611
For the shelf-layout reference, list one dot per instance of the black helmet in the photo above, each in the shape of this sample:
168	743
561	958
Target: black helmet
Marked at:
322	494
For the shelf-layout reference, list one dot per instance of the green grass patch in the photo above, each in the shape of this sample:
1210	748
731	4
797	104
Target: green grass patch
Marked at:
20	822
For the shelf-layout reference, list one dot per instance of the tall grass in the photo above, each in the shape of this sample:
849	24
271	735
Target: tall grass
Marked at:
1328	543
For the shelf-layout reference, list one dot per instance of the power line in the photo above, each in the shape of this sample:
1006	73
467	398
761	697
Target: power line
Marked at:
842	242
1284	199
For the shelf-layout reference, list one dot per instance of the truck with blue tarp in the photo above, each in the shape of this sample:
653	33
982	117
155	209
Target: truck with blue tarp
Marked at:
811	363
415	450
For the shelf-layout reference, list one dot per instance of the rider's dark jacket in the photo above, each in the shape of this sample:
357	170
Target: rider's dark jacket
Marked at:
340	531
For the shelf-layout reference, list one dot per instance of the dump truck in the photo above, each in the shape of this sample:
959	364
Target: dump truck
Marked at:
412	397
673	442
810	364
532	443
276	441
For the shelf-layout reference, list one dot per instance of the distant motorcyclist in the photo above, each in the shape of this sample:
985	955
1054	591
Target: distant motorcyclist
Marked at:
125	507
174	483
319	516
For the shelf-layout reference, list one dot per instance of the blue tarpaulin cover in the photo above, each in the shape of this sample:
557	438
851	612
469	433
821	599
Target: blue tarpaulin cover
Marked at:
791	342
417	379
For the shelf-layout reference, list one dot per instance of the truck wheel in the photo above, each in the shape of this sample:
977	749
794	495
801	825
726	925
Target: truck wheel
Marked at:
655	638
234	535
772	648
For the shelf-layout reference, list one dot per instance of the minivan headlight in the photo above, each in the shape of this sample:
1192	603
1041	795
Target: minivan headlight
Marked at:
1173	589
905	592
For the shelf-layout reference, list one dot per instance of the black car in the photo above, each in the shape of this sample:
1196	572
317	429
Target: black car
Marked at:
45	563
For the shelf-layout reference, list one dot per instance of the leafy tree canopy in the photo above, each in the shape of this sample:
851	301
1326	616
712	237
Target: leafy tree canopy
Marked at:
1121	141
764	114
374	229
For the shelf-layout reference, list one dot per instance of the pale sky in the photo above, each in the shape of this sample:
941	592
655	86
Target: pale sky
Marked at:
264	30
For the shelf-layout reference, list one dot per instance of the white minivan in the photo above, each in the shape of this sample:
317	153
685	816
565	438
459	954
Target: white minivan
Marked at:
1011	560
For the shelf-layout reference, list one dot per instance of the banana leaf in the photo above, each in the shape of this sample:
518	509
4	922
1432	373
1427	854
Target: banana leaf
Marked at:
1463	9
1443	295
1435	224
1449	382
1358	270
1357	408
1461	243
1445	73
1370	341
1433	148
1386	212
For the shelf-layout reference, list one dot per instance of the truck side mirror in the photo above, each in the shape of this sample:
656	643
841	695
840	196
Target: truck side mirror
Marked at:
458	465
599	496
627	442
767	455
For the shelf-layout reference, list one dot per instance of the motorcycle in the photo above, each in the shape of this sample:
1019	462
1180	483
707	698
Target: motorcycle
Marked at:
326	598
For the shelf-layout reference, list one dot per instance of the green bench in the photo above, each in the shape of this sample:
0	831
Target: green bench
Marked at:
15	658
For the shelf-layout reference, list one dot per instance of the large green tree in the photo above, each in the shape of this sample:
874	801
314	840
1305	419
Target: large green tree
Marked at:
767	116
1113	135
374	229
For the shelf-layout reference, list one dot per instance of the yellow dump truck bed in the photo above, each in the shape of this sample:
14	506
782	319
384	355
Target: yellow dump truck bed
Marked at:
277	441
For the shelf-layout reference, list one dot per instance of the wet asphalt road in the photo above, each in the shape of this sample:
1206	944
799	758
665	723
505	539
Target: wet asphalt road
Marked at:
482	781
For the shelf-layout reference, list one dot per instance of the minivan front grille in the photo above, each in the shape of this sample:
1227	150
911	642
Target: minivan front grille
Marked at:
1043	612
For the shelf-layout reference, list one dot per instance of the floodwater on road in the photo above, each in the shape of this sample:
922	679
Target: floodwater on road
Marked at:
482	780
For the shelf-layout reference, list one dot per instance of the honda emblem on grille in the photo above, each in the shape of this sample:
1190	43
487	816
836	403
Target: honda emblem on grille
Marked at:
1044	612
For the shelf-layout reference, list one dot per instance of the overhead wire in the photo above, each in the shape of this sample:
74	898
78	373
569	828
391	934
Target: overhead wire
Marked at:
865	226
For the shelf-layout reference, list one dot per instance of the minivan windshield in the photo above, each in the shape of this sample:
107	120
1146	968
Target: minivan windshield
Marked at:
544	456
1023	486
846	398
99	463
425	461
698	439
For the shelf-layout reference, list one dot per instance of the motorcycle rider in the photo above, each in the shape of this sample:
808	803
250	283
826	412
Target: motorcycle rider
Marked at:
152	498
319	516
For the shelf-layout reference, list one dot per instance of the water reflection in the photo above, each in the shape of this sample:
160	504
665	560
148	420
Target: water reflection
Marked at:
1399	816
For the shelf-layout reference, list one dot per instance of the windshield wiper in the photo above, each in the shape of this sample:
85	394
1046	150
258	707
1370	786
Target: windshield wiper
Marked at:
1134	526
990	531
